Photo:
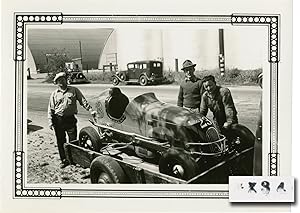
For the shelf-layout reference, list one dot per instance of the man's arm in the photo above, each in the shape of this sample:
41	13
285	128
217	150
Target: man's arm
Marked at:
51	110
229	107
82	101
180	97
203	105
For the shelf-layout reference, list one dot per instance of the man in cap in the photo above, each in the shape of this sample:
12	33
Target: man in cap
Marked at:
61	113
219	100
190	90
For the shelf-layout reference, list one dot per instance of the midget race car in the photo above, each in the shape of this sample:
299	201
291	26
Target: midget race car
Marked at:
182	143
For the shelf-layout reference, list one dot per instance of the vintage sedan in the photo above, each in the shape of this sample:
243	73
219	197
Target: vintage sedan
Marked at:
182	143
144	72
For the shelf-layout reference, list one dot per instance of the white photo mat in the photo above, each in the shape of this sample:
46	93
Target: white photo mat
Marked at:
276	108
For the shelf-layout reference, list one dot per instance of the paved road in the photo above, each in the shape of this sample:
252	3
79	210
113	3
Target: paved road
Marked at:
246	100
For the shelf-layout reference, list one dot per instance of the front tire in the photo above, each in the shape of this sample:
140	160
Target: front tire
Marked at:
89	139
243	165
123	76
106	170
143	80
178	164
115	81
246	137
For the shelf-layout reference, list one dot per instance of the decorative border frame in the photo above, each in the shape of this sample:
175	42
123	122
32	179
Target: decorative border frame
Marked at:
21	20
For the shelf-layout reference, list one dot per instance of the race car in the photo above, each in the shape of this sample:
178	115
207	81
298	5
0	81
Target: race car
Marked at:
182	143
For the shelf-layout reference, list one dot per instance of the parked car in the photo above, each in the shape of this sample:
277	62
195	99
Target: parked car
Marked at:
143	72
74	73
182	143
76	77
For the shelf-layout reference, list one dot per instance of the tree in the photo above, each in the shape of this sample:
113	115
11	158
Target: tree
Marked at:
56	62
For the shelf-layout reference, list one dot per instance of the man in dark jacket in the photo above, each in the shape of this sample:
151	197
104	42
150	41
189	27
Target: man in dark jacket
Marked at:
190	90
219	100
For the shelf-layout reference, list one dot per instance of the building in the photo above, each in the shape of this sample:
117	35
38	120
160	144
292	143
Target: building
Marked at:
244	48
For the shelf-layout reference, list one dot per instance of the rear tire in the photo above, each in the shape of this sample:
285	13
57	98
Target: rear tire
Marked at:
105	170
143	80
89	139
115	81
80	76
178	164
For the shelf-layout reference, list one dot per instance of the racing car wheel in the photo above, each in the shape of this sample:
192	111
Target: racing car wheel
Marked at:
246	137
178	164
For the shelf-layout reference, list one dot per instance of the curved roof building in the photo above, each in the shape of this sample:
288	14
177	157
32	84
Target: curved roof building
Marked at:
45	41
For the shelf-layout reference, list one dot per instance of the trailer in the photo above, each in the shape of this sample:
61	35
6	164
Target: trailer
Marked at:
115	166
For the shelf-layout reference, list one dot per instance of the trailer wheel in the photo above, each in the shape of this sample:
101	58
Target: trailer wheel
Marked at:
90	139
105	170
115	81
143	80
178	164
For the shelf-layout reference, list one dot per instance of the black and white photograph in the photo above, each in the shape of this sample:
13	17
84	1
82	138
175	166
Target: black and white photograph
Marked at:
143	105
175	103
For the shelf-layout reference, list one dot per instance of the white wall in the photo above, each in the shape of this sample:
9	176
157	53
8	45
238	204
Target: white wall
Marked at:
244	47
138	44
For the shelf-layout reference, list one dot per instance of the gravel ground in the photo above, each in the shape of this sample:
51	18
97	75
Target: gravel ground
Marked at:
44	163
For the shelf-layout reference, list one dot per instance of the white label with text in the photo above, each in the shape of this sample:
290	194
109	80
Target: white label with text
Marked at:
261	189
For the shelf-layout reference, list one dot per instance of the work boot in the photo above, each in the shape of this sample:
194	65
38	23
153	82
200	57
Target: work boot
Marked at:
64	164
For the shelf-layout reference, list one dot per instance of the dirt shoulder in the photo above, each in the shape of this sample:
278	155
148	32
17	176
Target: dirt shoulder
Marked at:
43	162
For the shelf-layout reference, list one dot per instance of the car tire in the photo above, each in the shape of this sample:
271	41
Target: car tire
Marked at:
115	81
123	76
143	80
243	165
69	81
178	164
80	76
247	138
89	139
105	170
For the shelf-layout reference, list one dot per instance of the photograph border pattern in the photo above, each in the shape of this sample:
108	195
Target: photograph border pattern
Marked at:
21	20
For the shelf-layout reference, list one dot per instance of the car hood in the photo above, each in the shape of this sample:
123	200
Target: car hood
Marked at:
148	105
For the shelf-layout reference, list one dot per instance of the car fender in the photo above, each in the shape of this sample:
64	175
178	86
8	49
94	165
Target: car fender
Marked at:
115	75
145	74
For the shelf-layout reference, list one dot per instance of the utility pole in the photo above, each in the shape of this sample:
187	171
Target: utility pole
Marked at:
80	53
221	52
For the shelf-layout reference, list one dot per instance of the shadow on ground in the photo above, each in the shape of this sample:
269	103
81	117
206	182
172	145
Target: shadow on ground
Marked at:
33	128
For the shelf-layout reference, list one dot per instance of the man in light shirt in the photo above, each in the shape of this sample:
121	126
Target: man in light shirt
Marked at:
61	113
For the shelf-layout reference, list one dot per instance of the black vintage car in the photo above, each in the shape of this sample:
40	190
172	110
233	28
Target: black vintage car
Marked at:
143	72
